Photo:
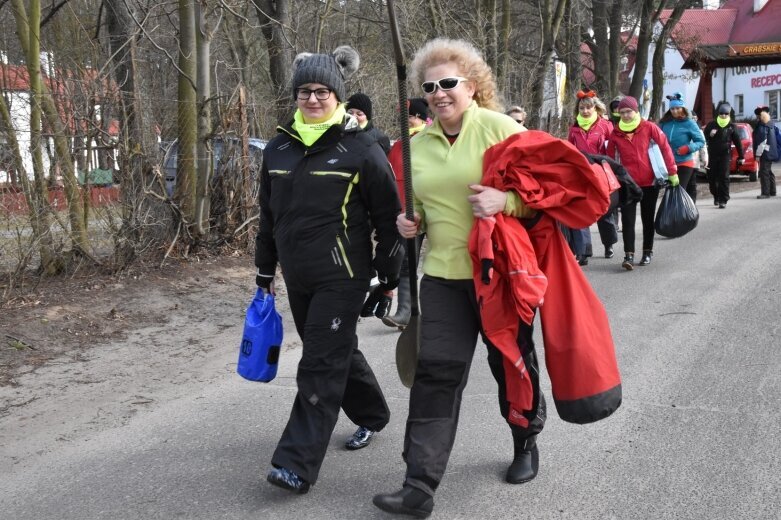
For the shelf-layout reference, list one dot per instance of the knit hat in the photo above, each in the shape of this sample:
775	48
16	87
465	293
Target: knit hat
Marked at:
676	100
418	108
760	109
724	108
362	102
327	69
628	102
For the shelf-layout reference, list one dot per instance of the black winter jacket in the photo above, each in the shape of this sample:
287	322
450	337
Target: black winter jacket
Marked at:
765	132
379	136
318	206
629	193
719	141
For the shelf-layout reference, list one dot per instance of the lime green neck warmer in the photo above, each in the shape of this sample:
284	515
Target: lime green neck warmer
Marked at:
722	121
364	124
631	125
311	133
586	122
417	129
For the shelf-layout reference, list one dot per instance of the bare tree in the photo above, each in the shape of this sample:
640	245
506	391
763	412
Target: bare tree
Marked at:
274	17
186	170
29	39
551	15
658	59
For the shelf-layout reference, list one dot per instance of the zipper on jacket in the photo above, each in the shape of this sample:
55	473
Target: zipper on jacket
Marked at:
343	254
353	182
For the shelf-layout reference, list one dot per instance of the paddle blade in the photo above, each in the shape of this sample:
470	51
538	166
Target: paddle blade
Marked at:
407	348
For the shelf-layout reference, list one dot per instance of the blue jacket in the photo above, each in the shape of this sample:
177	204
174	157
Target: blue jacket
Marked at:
683	132
762	132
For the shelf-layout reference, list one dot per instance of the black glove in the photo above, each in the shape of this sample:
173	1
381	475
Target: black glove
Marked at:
263	281
378	303
388	282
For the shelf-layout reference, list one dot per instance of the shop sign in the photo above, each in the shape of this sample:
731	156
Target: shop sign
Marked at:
755	49
766	81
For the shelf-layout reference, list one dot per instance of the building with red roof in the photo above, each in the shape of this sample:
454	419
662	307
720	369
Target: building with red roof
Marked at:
75	95
731	54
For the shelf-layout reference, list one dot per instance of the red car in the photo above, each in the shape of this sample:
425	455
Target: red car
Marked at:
750	165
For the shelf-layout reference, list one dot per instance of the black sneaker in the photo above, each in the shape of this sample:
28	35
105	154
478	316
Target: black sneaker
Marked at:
608	251
629	262
360	439
646	260
287	479
409	501
763	196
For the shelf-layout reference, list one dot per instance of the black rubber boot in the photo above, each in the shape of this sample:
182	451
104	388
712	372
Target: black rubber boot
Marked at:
409	501
403	309
526	461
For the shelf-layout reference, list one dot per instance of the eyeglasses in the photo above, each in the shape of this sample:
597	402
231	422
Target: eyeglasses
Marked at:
321	94
444	84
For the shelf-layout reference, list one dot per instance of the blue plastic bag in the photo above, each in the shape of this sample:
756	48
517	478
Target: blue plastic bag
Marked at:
260	344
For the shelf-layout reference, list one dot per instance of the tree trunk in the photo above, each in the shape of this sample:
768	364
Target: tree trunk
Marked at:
658	60
616	47
29	38
274	16
37	200
551	22
137	141
504	44
186	173
601	48
490	32
204	37
648	18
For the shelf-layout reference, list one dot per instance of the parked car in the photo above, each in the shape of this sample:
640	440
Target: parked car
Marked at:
226	156
750	165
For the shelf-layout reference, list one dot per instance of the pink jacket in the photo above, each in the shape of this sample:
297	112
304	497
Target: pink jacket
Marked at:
595	140
632	151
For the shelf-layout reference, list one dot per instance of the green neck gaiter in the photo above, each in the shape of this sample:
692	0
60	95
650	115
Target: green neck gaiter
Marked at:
311	133
586	122
722	121
364	124
417	129
631	125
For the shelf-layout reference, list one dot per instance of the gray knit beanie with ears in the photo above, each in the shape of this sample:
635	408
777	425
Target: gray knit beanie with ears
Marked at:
327	69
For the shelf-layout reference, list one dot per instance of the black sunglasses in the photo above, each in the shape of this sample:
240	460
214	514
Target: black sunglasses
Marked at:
429	87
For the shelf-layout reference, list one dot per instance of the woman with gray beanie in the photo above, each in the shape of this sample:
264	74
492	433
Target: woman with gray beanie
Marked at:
325	187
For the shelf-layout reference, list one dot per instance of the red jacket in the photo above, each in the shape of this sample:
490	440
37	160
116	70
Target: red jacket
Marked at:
632	151
396	160
595	140
522	266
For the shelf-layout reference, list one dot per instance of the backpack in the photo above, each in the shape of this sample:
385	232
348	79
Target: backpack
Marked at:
778	141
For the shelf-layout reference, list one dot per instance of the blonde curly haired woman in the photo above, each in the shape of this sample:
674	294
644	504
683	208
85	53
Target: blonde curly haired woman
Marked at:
447	166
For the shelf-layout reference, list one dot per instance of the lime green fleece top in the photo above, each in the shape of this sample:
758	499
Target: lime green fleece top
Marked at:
441	175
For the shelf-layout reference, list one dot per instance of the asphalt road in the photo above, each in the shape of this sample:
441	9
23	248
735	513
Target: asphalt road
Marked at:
698	436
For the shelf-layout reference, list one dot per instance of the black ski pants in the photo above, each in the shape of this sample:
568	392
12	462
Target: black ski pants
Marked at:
688	179
718	177
332	373
647	214
767	180
449	329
